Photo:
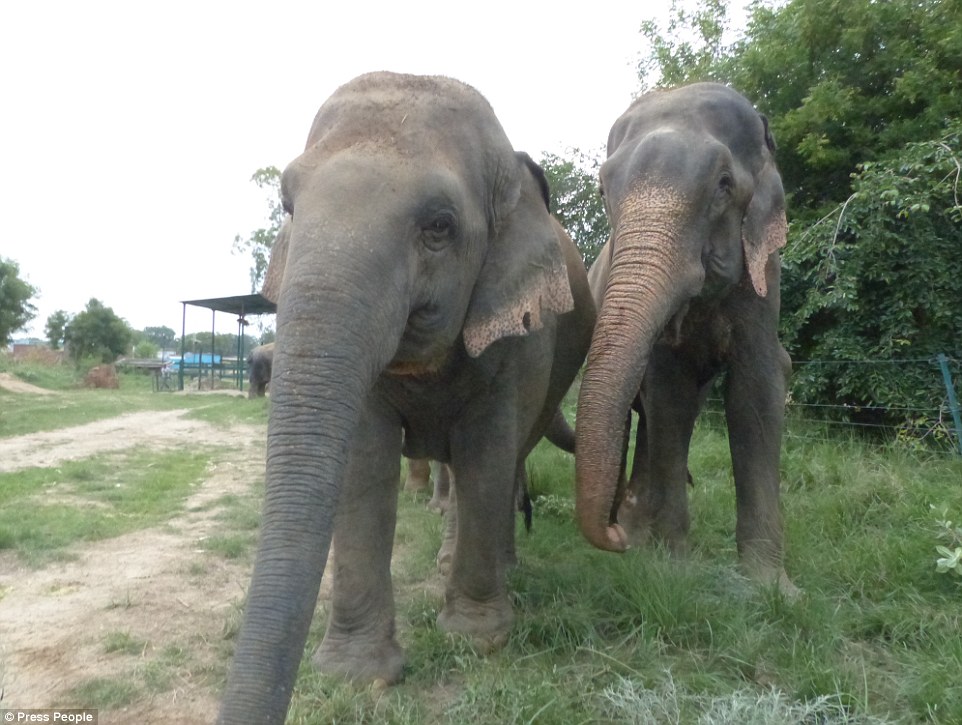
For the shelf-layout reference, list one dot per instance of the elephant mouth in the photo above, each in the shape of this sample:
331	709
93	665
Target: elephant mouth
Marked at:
420	353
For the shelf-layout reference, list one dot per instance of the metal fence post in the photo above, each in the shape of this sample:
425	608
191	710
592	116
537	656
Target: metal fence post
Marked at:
953	402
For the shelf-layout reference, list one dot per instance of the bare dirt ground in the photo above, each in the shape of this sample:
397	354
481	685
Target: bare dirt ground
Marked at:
154	585
9	382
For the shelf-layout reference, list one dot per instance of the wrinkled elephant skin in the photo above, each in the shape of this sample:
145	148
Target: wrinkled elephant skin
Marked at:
427	306
687	288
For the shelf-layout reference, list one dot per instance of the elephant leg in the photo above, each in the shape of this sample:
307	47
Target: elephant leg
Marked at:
476	603
449	531
419	475
671	398
634	518
754	409
442	486
360	640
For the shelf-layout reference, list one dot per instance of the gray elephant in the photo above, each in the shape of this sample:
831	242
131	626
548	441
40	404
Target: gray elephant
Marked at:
428	306
688	288
259	363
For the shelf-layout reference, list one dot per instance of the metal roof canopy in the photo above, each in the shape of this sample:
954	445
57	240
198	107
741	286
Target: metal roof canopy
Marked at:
240	305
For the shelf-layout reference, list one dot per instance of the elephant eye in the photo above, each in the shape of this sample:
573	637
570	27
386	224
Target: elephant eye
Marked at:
439	230
726	184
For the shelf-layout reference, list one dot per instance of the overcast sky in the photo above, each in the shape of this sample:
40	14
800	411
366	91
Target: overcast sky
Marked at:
129	130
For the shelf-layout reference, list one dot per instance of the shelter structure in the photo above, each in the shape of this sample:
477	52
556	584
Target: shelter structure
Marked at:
240	305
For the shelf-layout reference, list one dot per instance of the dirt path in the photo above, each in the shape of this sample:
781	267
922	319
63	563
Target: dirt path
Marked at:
14	385
149	429
154	585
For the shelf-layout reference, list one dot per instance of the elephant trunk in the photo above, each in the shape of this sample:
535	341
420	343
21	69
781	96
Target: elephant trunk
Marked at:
330	349
649	282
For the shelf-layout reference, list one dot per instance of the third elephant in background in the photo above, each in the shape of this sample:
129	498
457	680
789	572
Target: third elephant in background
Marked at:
260	362
687	289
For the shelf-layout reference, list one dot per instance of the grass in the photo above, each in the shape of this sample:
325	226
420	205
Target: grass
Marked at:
71	405
642	638
635	638
43	511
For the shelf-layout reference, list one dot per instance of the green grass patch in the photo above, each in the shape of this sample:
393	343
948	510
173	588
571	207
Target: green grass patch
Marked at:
123	643
228	546
645	638
102	693
45	510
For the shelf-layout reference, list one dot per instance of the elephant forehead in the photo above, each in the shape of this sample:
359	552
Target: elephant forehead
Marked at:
406	113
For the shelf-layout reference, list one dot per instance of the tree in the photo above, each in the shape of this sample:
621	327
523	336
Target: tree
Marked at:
575	200
689	49
260	241
55	328
97	333
163	337
882	278
16	310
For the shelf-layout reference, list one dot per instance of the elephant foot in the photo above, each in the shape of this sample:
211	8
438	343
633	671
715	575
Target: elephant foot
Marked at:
767	574
378	663
419	475
438	504
485	624
643	528
445	556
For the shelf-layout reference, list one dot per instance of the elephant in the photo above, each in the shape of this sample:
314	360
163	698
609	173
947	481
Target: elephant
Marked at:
687	288
428	305
259	363
419	478
559	432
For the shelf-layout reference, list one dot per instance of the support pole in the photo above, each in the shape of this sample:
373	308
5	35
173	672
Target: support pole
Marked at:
213	345
953	401
183	348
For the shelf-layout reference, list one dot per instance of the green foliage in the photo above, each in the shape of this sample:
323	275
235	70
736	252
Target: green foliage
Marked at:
260	241
45	510
575	200
98	333
16	310
848	83
881	278
145	349
56	328
950	555
225	343
691	48
163	337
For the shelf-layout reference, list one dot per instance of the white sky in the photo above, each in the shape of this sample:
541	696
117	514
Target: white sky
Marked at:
129	130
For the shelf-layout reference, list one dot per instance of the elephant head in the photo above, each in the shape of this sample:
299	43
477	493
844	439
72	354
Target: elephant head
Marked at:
415	234
697	209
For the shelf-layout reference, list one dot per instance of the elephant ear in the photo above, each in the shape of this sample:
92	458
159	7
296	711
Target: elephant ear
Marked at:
764	228
271	289
524	276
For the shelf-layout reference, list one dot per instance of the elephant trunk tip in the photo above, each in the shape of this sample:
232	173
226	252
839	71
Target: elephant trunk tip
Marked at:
611	537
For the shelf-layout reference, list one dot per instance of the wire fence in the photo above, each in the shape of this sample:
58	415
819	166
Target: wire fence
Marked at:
935	421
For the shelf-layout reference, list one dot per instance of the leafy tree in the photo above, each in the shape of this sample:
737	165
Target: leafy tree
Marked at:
163	337
690	48
16	310
575	200
97	332
225	343
145	349
260	241
882	278
55	328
